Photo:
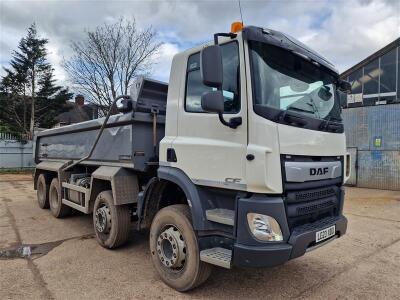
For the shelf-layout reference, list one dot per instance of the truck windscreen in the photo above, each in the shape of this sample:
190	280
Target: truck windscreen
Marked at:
283	81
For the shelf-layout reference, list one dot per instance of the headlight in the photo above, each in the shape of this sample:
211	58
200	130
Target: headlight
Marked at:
264	228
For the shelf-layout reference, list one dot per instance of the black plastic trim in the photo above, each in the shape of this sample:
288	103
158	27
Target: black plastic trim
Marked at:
303	237
292	118
276	254
201	198
171	155
250	157
276	38
262	204
312	184
255	257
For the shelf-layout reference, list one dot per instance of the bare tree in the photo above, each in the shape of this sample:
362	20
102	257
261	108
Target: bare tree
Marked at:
106	63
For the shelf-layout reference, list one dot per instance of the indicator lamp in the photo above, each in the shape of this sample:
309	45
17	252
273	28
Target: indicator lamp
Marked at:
236	27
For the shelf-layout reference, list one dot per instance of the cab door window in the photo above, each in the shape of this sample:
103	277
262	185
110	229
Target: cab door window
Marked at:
231	80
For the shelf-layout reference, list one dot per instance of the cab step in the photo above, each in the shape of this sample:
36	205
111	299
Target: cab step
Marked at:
217	256
221	215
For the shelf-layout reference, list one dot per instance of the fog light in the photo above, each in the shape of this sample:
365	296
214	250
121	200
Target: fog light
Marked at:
264	228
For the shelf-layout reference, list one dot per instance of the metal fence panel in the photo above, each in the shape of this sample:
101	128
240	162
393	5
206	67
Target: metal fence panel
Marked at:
15	154
384	127
373	127
356	127
375	132
379	169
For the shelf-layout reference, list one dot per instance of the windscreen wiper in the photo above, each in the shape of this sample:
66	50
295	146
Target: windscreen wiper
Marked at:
300	109
328	125
291	119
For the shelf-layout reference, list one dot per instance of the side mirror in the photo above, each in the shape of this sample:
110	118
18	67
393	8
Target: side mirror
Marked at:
324	93
342	98
211	66
344	86
211	71
213	102
124	105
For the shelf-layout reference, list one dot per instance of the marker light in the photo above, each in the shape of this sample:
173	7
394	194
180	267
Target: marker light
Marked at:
236	27
264	228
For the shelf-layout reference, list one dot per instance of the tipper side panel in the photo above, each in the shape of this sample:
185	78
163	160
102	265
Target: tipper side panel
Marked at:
127	139
75	142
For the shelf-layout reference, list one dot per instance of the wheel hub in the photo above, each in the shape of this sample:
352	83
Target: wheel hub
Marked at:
171	248
103	219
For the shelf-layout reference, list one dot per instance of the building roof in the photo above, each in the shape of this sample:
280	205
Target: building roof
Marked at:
77	113
384	50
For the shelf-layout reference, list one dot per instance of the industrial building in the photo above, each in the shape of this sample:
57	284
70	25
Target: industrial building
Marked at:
372	119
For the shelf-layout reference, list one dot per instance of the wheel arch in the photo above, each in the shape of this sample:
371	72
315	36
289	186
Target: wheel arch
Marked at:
50	169
170	181
122	182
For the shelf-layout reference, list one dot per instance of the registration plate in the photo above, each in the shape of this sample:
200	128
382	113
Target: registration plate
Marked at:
325	234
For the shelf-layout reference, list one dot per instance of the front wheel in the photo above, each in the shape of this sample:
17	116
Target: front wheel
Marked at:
174	249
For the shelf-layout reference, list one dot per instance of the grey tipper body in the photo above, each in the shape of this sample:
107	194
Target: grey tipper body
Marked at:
218	170
125	141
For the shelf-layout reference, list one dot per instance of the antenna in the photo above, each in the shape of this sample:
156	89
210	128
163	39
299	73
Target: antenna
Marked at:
240	9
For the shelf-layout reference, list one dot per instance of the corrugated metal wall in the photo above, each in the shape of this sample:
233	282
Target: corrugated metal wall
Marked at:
373	133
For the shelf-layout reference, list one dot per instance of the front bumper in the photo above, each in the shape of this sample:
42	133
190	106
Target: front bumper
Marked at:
273	254
248	252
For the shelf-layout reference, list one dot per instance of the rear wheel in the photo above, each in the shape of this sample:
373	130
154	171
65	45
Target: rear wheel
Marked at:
58	209
174	249
42	191
111	222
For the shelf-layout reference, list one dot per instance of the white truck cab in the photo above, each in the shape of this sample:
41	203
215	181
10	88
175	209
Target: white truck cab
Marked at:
239	161
248	157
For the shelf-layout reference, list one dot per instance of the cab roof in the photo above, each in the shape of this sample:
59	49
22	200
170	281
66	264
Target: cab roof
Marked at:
282	40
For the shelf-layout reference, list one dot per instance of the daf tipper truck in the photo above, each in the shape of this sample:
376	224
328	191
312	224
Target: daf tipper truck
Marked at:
238	162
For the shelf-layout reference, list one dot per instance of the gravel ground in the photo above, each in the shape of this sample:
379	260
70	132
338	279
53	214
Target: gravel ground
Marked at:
67	262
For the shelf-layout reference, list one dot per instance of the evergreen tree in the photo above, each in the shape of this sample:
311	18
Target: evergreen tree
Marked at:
29	91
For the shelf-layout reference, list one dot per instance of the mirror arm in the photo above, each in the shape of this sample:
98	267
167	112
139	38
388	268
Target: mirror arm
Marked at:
233	122
230	34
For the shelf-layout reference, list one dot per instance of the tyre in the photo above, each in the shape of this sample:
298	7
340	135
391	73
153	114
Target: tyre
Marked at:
42	192
174	249
58	209
111	222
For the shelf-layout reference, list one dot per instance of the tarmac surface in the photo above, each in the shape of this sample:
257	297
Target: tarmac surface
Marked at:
46	258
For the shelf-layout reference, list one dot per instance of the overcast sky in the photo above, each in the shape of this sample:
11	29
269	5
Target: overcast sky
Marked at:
345	31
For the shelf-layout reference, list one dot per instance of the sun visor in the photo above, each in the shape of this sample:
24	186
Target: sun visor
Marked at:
281	40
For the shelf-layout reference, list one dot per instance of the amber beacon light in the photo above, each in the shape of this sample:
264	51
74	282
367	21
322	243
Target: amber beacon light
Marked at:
236	26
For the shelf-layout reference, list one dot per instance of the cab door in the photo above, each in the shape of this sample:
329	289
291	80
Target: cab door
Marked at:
209	152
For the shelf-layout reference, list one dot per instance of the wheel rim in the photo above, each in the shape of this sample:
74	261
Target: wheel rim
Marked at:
171	248
103	219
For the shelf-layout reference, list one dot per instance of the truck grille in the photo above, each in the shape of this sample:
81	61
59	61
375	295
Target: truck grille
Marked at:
312	195
308	209
310	201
